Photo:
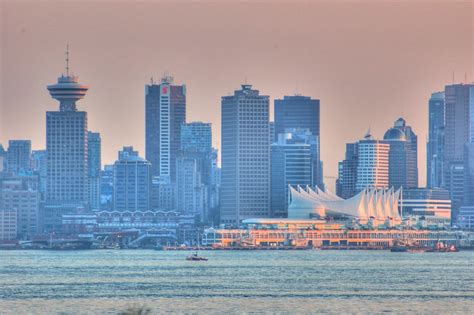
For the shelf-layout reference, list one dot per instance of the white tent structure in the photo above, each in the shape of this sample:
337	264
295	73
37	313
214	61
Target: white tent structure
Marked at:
376	205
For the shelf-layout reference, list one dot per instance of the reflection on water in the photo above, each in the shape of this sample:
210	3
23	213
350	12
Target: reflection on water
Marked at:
84	282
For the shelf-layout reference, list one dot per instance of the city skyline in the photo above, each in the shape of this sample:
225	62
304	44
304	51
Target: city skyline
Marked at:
209	73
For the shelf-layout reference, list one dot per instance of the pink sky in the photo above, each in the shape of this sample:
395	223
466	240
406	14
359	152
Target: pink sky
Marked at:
368	62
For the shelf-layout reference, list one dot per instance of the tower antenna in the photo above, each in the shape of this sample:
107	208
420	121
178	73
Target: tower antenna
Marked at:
67	60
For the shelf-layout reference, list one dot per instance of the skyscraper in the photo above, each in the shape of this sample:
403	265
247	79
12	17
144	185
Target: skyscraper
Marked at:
347	177
290	165
459	98
107	187
39	165
132	183
372	167
403	156
193	169
95	165
301	112
19	155
245	190
435	145
3	158
67	157
165	111
196	137
191	192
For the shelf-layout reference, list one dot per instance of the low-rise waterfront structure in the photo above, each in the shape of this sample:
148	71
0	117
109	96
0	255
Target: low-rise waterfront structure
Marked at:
320	234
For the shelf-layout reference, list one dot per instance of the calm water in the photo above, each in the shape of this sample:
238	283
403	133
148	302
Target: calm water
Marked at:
85	282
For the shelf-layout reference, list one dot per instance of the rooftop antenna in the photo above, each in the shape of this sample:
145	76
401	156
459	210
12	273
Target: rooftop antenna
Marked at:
67	60
465	77
152	81
453	76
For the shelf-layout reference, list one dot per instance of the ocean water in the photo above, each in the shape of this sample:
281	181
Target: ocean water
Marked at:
234	282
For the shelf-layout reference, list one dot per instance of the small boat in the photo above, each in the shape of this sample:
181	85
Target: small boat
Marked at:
440	247
407	245
196	257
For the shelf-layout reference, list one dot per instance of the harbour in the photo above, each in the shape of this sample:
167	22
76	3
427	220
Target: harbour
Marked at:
110	281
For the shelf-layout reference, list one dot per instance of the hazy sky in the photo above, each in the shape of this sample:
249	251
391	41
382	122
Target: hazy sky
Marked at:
368	62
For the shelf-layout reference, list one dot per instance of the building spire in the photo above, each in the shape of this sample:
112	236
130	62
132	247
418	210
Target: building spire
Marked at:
67	60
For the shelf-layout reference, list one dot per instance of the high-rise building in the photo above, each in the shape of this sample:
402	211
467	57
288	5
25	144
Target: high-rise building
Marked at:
290	165
132	181
39	164
163	195
372	167
301	112
191	192
435	145
67	158
469	175
95	165
347	178
107	187
20	193
193	170
245	190
403	156
459	98
196	137
165	111
214	189
3	159
19	155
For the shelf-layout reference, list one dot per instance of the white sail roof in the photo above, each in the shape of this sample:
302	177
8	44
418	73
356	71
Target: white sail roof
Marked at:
380	205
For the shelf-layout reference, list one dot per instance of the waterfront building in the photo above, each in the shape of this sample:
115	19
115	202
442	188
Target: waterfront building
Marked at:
290	165
8	224
300	112
432	205
370	206
165	112
107	187
19	155
20	193
459	98
132	181
403	155
306	233
435	145
245	190
95	165
465	219
67	159
373	163
347	173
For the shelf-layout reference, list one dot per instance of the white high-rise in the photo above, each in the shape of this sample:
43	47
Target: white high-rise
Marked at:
373	167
